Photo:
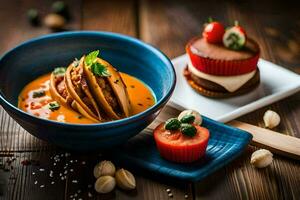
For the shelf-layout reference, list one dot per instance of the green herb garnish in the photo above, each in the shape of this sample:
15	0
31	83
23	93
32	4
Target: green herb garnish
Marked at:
54	105
188	119
91	58
37	94
76	62
59	71
188	130
98	69
172	124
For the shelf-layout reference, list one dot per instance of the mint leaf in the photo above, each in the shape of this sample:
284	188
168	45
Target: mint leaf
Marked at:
99	70
91	58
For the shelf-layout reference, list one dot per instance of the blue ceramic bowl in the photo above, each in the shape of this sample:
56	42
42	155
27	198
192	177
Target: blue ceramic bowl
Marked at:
35	57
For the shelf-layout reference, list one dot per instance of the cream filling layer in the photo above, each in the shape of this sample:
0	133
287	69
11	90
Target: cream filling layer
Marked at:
230	83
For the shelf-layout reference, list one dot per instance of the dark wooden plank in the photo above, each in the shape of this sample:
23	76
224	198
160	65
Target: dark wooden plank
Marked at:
114	16
175	22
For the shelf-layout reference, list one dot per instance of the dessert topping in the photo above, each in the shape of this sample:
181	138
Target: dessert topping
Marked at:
234	37
188	130
172	124
213	31
185	117
188	118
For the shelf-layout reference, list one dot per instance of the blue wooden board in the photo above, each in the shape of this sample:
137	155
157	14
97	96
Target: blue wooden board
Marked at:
225	144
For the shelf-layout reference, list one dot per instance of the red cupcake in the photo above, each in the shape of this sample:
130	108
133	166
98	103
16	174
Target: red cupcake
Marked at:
222	64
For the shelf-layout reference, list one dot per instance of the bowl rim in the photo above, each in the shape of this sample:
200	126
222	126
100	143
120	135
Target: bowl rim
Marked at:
123	121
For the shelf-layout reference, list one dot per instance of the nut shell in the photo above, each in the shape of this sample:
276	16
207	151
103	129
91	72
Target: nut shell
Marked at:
125	180
271	119
105	184
54	21
104	168
261	158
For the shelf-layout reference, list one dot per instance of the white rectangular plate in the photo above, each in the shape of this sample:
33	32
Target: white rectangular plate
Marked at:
276	83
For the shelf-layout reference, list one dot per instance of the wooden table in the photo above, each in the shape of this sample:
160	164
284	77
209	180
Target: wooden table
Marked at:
167	25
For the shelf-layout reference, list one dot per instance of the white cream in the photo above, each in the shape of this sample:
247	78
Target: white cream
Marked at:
230	83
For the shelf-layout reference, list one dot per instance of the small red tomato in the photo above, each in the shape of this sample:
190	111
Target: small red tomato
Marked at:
213	32
175	146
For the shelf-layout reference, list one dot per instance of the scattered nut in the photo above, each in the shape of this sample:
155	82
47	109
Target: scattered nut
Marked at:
261	158
105	184
198	118
125	179
271	119
104	168
54	21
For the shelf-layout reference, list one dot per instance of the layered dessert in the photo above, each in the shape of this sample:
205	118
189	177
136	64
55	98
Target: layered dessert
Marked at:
222	63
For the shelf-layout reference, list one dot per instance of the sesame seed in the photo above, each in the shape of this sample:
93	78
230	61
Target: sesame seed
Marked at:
41	186
41	169
71	161
35	182
78	191
75	195
74	181
80	199
168	190
71	170
170	195
186	196
33	173
71	196
52	182
83	162
65	172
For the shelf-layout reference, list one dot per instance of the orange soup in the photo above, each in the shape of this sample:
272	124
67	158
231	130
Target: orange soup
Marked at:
36	96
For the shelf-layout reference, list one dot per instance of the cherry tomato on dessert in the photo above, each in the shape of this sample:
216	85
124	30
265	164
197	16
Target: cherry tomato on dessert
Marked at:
213	32
175	146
